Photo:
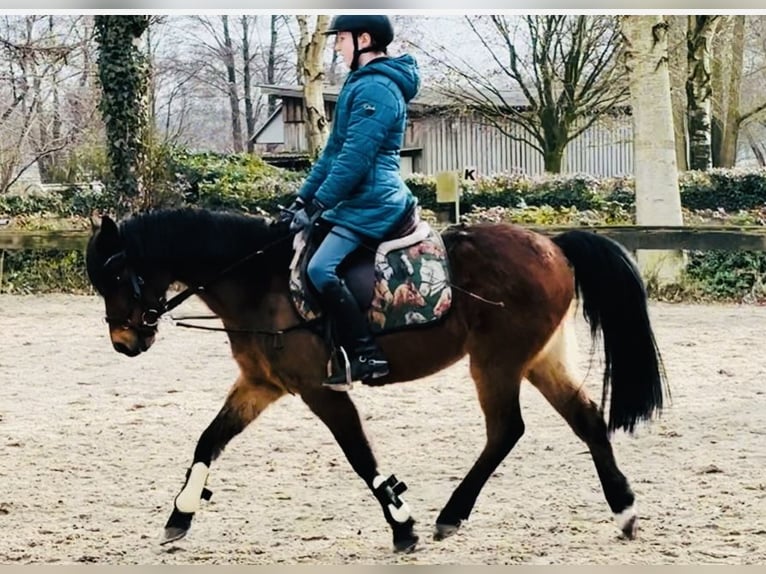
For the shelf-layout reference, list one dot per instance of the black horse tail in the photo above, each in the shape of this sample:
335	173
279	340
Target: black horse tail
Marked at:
613	294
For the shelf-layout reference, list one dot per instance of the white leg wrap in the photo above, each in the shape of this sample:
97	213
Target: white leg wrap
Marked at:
401	514
188	500
625	516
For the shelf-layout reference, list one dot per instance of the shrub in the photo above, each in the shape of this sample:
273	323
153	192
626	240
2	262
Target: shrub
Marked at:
246	183
45	271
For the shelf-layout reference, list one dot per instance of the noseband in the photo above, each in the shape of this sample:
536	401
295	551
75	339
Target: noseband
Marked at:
151	311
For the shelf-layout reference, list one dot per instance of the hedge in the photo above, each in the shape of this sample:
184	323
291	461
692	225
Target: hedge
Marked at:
245	183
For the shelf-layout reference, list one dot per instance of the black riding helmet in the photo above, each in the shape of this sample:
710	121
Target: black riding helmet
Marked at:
377	26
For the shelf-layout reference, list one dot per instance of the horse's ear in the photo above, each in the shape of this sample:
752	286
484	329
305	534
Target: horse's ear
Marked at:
108	226
109	235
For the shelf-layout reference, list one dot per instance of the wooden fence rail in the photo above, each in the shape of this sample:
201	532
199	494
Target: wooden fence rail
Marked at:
15	240
698	238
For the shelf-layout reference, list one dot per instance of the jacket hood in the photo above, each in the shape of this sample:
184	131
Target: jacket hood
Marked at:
403	70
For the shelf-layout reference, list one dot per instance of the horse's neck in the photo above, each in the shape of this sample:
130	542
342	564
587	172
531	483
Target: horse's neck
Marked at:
242	305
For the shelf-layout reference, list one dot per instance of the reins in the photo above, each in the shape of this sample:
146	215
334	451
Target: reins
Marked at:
176	300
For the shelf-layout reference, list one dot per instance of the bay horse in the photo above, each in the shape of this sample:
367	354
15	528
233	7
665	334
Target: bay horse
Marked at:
515	292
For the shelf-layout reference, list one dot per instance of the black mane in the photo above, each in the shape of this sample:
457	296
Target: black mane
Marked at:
192	239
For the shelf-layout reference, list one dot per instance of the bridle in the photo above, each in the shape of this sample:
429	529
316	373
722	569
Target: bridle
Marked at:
153	309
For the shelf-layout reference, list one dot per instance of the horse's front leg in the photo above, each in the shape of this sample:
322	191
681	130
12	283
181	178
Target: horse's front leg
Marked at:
339	413
246	400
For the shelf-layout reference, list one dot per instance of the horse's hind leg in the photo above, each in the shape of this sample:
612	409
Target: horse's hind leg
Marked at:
338	412
245	401
498	390
552	375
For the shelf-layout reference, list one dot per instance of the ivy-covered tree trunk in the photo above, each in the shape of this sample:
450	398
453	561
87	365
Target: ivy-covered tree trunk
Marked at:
699	89
123	70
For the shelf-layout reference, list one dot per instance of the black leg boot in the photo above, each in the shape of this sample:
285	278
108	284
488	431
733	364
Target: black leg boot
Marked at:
366	360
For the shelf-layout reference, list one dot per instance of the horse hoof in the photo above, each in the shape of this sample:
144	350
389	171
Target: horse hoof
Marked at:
630	530
443	531
172	534
407	545
627	522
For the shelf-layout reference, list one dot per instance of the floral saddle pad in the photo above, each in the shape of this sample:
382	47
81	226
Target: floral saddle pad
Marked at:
404	283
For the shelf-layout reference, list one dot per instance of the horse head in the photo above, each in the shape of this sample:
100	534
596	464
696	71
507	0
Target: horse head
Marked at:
134	299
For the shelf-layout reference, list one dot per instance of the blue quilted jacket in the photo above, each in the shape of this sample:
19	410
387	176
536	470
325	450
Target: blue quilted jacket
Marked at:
357	174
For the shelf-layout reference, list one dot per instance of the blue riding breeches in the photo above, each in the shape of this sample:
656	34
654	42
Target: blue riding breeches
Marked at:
339	243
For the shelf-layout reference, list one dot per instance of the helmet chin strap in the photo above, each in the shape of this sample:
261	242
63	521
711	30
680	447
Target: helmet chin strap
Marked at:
357	52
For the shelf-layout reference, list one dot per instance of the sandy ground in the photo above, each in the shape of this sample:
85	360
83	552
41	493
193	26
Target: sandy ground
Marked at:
95	445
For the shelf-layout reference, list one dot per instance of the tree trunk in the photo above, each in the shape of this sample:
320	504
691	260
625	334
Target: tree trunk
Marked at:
236	123
246	85
553	159
735	62
56	123
555	129
677	58
756	147
152	92
311	64
271	65
123	71
658	201
698	90
42	142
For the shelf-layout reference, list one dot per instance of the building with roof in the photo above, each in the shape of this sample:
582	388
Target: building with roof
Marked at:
442	137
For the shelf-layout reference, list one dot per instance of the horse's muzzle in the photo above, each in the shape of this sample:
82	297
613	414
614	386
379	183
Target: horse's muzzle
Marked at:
126	350
130	343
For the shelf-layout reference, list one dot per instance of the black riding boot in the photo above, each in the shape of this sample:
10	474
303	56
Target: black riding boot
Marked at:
365	357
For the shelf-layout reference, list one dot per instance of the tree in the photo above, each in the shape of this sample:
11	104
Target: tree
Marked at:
736	85
658	201
678	62
563	68
699	92
247	85
231	77
311	65
40	94
726	80
124	75
271	61
194	92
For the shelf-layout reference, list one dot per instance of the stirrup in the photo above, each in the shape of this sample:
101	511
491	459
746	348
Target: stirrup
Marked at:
340	386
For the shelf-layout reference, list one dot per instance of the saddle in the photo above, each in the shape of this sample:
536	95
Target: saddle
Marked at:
401	282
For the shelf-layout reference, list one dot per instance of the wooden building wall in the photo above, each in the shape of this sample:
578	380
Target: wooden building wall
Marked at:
449	142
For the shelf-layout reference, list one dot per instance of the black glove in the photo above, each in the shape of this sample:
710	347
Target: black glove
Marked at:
286	214
306	216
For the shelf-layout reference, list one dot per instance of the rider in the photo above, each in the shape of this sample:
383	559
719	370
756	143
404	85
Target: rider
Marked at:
356	184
